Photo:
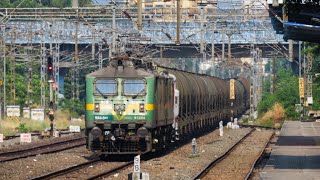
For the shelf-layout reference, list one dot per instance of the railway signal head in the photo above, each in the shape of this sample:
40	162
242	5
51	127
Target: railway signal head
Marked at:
50	65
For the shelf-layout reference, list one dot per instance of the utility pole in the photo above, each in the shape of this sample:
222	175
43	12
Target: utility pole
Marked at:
290	50
274	68
12	67
300	58
301	98
259	77
76	74
223	39
232	98
93	46
201	27
56	71
100	55
139	15
229	46
212	45
4	72
43	71
51	109
253	84
178	22
114	29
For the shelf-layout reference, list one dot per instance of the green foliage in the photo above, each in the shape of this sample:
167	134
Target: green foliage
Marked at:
268	123
267	102
22	128
286	93
76	107
5	4
59	3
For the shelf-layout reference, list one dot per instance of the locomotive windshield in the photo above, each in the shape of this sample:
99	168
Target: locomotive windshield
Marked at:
106	86
134	87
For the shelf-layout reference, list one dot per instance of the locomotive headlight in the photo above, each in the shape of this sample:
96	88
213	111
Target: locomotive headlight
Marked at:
116	107
96	107
96	132
122	107
141	107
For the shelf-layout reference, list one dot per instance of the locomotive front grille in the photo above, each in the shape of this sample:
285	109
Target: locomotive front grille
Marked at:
124	146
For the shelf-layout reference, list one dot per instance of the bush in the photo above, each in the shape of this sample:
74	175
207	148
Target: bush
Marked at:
22	128
275	115
286	93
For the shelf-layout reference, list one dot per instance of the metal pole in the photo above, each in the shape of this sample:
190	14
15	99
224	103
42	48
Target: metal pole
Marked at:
178	22
4	73
223	36
212	45
201	27
299	58
51	113
229	47
139	15
113	30
290	50
93	44
271	76
76	50
274	75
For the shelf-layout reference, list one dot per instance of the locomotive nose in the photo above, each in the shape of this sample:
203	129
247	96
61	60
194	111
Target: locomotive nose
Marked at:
119	107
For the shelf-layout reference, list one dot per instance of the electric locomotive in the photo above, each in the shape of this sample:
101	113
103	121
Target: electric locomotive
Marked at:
129	108
134	107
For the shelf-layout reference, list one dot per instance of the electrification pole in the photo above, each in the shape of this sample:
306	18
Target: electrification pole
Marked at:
178	22
114	29
4	73
139	15
201	27
43	71
223	42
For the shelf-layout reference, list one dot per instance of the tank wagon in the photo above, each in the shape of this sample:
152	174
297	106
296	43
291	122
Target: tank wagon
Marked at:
135	108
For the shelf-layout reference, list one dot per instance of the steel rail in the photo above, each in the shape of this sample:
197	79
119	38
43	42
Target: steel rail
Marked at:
66	171
205	170
109	172
262	152
24	153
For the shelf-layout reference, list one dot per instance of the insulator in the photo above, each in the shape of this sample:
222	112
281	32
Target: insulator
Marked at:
127	14
168	35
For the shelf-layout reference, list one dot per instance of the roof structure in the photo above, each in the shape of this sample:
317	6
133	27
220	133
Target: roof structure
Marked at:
302	24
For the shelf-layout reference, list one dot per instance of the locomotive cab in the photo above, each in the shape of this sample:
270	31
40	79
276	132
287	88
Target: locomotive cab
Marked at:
119	109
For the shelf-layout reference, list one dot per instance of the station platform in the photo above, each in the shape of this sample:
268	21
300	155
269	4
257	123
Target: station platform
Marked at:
296	154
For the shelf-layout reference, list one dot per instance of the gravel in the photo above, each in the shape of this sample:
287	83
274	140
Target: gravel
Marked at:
14	144
238	163
179	164
27	168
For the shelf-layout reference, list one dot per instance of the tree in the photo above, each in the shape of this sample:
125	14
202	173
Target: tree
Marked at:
5	4
286	93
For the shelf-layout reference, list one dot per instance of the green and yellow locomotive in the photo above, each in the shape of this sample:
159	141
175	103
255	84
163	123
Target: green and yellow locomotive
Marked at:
124	107
134	107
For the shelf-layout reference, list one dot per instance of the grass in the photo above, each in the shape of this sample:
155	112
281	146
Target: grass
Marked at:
273	118
14	125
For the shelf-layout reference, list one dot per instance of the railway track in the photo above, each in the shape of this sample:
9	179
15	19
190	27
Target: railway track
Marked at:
80	170
231	154
42	149
261	154
62	131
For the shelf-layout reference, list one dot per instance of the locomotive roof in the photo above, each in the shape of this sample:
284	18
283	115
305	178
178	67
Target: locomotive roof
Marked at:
127	72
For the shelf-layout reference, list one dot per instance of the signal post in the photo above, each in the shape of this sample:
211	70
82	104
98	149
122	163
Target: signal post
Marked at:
51	82
232	97
301	94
